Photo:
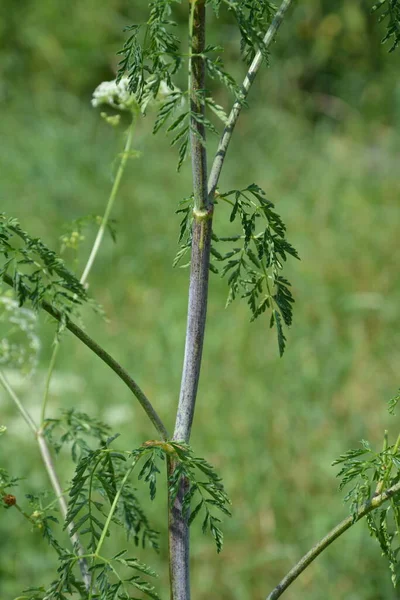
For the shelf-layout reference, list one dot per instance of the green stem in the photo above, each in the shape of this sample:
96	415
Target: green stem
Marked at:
237	107
24	413
50	370
333	535
196	86
109	518
51	472
55	483
190	52
105	357
94	251
113	507
110	202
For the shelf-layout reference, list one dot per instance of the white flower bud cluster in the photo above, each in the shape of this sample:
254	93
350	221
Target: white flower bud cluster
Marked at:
116	95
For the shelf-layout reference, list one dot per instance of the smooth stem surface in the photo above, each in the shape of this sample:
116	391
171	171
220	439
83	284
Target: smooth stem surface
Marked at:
198	293
333	535
50	370
44	449
114	507
196	83
237	107
110	202
24	413
49	466
197	312
3	494
106	358
93	253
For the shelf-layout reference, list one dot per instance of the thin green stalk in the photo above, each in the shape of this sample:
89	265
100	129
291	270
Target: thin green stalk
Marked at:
237	107
106	358
19	509
110	202
196	86
113	507
56	346
93	253
50	469
55	483
106	527
333	535
24	413
42	443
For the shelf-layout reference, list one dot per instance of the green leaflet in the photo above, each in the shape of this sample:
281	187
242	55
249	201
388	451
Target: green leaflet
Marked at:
152	55
368	474
389	12
38	273
254	262
75	428
393	402
205	494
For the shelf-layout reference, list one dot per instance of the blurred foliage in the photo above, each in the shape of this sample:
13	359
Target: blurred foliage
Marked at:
321	138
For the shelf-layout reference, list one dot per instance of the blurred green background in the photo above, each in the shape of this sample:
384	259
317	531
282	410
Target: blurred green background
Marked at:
321	138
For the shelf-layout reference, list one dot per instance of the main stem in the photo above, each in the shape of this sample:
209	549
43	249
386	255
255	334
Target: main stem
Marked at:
198	293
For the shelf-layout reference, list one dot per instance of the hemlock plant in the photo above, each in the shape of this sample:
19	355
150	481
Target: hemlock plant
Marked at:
101	495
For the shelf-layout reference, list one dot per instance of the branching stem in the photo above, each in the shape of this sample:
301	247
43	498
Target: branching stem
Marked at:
44	449
106	358
50	370
24	413
113	507
50	469
110	202
200	262
93	253
55	483
333	535
237	107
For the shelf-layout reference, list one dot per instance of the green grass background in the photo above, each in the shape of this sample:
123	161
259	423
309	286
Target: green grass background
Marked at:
321	137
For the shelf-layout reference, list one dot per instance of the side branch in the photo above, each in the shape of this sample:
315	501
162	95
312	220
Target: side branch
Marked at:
108	359
196	85
49	466
74	537
237	107
333	535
